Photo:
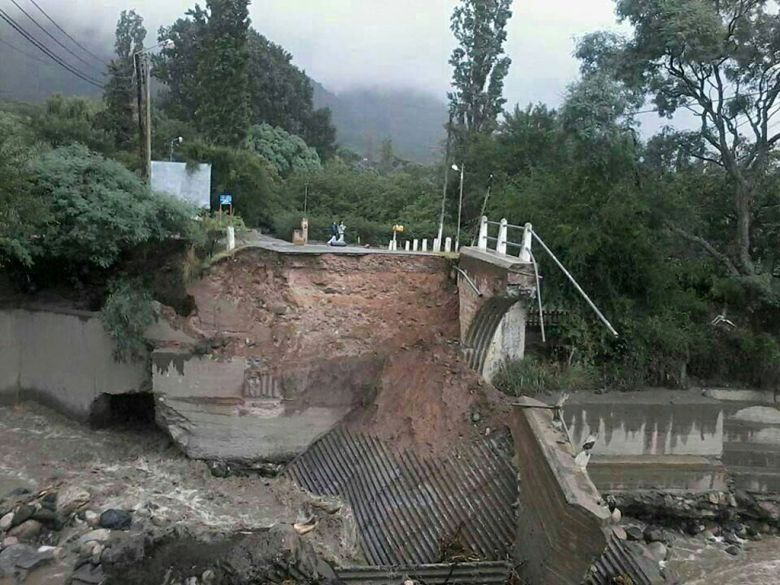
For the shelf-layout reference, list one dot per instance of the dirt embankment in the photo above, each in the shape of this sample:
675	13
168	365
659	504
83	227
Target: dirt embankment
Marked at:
379	330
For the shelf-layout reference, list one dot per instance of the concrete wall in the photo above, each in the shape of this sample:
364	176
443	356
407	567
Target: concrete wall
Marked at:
227	409
492	321
61	358
680	441
561	526
508	342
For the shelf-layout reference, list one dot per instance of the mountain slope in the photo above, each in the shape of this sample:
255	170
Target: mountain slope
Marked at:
364	118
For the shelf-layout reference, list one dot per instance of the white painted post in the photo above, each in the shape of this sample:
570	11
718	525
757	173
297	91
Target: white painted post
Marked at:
483	233
436	245
390	245
395	245
406	245
525	252
448	244
425	245
502	231
231	238
415	244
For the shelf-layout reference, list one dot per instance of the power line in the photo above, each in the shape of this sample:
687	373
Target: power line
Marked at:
20	29
51	36
63	31
25	53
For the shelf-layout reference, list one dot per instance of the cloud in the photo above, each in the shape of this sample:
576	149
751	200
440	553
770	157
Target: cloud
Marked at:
399	43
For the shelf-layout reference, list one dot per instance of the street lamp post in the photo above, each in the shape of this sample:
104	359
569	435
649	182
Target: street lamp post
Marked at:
173	143
460	202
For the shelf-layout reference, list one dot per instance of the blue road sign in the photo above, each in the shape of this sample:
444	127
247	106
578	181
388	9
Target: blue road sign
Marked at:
226	199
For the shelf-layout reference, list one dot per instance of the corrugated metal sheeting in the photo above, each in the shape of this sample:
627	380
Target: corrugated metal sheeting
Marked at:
485	573
620	560
407	508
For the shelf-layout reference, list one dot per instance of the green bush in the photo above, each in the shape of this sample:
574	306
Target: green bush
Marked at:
533	376
99	209
128	311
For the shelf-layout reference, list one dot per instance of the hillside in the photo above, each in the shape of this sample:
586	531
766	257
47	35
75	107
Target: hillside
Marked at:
364	118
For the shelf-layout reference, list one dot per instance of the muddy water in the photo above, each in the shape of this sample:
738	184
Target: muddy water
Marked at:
699	563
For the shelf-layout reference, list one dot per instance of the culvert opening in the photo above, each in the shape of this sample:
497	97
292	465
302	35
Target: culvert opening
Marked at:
124	410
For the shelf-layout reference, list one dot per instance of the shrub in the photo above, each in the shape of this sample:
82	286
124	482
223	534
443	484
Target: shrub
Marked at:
532	376
128	311
99	209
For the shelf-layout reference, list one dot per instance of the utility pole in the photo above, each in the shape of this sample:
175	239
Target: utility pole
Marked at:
137	60
148	99
446	178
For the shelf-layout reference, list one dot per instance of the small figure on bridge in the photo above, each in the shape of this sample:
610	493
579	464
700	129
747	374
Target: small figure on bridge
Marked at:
337	238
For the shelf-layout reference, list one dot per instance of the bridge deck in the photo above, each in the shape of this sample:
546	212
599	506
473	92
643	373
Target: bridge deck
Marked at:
284	247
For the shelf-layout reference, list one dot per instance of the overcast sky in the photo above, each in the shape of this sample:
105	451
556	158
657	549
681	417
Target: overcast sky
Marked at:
400	43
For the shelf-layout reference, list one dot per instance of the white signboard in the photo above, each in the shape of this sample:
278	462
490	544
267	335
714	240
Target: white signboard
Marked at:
174	178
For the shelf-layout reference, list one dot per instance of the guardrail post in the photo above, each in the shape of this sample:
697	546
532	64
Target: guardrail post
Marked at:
483	233
447	244
390	245
436	245
502	231
415	244
425	245
525	252
231	238
406	245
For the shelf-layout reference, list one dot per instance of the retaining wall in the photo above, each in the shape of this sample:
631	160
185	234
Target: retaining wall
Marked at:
62	358
561	526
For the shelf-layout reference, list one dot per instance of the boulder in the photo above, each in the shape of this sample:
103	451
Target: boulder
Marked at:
658	551
26	531
634	532
22	514
99	535
71	500
6	521
655	534
24	557
115	519
88	574
733	549
769	511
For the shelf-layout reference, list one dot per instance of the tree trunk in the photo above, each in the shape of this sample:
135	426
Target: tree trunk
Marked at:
744	203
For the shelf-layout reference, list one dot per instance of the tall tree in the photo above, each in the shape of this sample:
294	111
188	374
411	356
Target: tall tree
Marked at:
720	60
118	94
177	63
223	113
479	64
282	95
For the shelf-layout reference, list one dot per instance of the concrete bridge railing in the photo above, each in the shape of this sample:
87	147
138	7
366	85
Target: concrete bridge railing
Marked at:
502	241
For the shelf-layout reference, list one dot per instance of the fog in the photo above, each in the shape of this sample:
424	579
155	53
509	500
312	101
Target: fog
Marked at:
368	43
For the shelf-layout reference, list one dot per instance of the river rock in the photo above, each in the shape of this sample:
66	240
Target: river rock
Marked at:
769	510
92	518
26	531
24	557
46	516
99	535
731	538
23	514
6	521
733	549
71	500
655	534
88	574
115	519
634	532
658	550
10	541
